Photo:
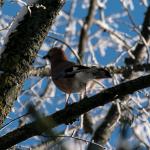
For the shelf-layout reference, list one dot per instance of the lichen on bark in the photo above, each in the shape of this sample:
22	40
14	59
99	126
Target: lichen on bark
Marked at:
21	50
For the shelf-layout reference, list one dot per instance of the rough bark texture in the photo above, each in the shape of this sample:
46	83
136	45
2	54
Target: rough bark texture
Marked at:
21	49
73	111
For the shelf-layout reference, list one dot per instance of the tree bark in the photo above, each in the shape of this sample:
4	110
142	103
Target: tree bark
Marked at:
22	48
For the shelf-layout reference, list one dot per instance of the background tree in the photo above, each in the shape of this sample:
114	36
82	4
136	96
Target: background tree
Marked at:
116	111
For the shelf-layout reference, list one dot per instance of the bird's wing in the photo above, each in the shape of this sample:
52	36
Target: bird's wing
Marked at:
92	72
73	70
70	71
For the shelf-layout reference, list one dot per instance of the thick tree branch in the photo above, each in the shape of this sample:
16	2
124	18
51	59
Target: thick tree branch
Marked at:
73	111
21	49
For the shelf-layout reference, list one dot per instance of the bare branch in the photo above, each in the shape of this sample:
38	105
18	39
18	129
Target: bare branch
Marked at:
129	69
101	136
40	72
85	28
140	49
77	138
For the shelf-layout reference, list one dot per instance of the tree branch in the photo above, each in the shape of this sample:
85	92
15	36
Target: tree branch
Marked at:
85	28
103	131
73	111
140	49
129	69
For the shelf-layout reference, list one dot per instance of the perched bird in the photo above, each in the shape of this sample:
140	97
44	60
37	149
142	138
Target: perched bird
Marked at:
69	76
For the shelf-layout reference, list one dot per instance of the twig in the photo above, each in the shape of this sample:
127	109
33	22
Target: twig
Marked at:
136	28
109	30
13	120
78	138
141	47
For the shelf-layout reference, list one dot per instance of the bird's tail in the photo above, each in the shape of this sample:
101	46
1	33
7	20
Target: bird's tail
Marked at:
100	73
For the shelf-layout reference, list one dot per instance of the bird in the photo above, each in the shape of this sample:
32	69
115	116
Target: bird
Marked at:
71	77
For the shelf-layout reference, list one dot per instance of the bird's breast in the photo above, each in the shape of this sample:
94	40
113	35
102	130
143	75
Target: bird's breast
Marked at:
70	85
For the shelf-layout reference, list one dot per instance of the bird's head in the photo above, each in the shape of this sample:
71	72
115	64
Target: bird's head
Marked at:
56	54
